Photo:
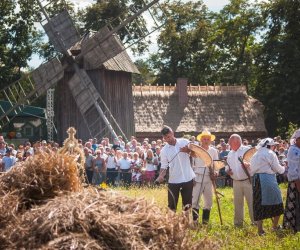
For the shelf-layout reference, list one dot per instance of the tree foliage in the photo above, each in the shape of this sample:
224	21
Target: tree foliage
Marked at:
182	44
112	13
18	38
278	60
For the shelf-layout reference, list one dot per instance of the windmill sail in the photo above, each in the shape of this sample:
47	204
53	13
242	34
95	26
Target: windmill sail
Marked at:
102	47
63	26
28	89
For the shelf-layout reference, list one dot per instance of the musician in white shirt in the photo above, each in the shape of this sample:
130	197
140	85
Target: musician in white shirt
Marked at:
175	156
242	188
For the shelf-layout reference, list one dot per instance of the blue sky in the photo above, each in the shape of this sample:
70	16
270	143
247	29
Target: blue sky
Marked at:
213	5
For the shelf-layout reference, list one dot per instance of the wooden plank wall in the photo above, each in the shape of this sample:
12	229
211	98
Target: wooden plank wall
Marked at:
116	90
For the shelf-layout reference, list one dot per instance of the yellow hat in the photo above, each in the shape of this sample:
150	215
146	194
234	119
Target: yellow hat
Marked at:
206	133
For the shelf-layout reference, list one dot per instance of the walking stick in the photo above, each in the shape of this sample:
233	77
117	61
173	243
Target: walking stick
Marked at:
216	194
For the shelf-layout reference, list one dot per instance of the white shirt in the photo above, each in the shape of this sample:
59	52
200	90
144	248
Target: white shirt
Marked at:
124	163
179	164
265	161
8	162
198	164
293	158
235	165
111	162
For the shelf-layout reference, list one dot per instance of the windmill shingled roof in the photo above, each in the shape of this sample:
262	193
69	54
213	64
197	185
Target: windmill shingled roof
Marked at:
223	111
121	62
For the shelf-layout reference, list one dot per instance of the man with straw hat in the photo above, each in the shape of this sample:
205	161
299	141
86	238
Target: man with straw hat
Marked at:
203	182
291	218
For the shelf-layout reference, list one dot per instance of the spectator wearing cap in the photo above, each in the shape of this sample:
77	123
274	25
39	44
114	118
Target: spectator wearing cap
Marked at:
8	160
203	181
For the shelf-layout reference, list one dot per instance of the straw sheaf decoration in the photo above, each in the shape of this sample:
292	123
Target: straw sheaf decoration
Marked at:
99	220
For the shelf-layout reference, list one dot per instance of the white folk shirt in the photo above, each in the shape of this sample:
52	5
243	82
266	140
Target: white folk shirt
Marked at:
198	164
293	158
235	165
180	169
265	161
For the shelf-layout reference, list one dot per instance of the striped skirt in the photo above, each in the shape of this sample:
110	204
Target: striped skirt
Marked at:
291	219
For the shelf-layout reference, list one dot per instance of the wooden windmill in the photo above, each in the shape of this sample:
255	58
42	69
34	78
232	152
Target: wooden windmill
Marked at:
80	53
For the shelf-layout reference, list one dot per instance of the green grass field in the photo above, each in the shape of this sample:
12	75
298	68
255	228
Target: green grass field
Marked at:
228	236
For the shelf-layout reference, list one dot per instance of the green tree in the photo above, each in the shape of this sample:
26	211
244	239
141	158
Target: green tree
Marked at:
278	84
182	43
234	41
146	76
19	38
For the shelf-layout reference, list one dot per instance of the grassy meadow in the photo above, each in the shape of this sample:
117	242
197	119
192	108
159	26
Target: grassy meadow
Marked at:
227	235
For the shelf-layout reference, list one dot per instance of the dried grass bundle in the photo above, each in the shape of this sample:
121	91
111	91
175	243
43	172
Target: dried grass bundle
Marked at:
41	177
99	220
43	206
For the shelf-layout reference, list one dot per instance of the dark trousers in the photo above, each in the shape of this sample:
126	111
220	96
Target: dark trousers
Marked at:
89	176
126	177
186	190
111	175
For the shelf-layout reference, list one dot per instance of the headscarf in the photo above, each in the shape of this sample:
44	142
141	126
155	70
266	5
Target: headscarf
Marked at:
295	135
265	142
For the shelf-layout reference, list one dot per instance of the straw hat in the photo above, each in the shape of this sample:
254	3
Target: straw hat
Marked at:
206	133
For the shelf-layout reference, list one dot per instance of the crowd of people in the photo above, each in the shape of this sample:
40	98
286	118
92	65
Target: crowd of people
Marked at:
170	159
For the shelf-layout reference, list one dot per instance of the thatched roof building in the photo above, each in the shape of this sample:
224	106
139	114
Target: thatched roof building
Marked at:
223	110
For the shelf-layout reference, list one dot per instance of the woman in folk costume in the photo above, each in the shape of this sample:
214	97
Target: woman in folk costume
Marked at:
291	217
267	199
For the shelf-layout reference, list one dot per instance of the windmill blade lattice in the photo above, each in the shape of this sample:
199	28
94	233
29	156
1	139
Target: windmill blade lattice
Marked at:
28	89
